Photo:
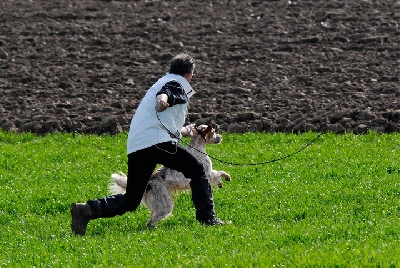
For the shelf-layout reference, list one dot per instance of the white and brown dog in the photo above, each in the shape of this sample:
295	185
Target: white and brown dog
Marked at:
165	181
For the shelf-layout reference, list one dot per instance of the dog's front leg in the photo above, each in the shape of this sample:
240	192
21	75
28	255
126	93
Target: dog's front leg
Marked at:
216	176
222	174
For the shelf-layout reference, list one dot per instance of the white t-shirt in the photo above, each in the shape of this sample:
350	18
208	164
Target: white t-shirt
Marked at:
149	127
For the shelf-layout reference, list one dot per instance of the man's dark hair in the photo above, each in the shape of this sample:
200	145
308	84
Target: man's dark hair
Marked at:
181	64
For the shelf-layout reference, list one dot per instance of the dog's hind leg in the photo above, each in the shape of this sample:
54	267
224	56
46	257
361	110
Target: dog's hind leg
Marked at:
159	201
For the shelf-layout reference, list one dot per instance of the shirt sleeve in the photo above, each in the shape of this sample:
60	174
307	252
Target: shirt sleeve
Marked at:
175	93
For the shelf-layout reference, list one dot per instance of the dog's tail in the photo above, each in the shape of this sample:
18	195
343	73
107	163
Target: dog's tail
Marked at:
118	183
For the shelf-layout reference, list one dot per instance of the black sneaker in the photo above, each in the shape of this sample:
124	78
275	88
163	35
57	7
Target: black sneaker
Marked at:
212	222
81	214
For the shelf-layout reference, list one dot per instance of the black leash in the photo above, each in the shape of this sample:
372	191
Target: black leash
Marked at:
241	164
269	161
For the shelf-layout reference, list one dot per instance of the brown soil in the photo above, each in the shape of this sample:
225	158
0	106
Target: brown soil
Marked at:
287	65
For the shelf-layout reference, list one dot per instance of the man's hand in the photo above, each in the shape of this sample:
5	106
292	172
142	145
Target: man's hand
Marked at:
189	131
161	102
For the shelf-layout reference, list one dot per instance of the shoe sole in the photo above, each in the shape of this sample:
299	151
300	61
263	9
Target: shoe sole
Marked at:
75	224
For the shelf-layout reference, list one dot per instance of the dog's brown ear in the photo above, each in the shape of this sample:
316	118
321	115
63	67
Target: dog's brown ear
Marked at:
208	132
205	133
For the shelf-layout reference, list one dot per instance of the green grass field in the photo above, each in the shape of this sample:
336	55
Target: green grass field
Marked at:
336	203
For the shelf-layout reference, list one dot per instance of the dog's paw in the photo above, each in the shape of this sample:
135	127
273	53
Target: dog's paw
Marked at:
226	176
151	224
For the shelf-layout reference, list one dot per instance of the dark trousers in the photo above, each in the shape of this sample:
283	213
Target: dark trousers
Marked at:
141	165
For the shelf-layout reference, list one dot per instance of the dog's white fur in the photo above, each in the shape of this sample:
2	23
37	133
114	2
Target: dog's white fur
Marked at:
165	181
